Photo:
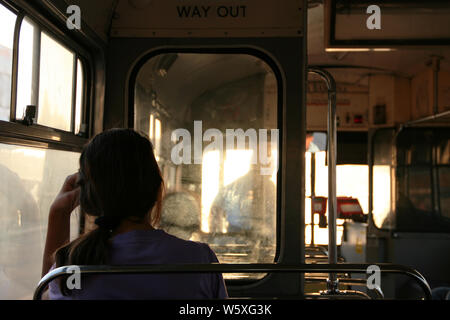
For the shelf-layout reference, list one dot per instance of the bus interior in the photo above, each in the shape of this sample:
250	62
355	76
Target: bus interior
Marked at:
318	96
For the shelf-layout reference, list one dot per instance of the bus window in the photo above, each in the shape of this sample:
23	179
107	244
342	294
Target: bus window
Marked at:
422	181
26	83
382	211
7	24
213	122
46	79
55	84
30	179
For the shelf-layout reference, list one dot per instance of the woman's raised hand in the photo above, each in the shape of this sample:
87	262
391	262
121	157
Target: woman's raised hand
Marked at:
68	197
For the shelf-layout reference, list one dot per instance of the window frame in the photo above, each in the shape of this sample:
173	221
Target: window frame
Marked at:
43	137
130	113
435	194
36	135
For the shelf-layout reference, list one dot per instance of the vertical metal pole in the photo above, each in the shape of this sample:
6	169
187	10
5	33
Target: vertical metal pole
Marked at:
332	202
313	193
332	283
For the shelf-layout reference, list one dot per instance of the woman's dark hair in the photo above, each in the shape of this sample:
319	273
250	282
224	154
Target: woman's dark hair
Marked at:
119	179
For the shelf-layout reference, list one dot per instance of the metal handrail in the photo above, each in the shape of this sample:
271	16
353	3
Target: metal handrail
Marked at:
332	152
230	268
338	295
349	282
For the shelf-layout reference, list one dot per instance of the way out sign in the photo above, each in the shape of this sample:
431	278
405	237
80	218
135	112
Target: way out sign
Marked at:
209	18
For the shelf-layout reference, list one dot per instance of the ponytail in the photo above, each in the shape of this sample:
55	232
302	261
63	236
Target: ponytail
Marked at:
91	248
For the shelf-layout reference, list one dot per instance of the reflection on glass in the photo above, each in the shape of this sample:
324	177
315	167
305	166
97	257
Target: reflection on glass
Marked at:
383	208
157	138
210	185
419	187
7	23
151	126
30	179
237	164
27	62
79	96
55	84
381	195
236	203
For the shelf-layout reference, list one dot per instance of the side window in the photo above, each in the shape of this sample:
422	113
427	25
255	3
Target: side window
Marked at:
50	76
30	179
414	208
212	119
55	84
422	180
7	24
27	78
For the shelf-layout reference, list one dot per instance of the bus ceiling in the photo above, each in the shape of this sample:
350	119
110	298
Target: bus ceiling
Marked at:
147	18
325	31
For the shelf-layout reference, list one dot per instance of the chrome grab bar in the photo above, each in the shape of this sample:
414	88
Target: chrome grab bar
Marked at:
231	268
332	141
340	295
349	282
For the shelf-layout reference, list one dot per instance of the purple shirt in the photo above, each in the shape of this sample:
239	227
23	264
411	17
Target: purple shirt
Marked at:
151	247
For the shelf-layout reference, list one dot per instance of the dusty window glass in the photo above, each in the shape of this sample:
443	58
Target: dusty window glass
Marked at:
419	187
55	84
382	211
223	194
7	24
46	79
421	181
28	64
30	180
79	96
